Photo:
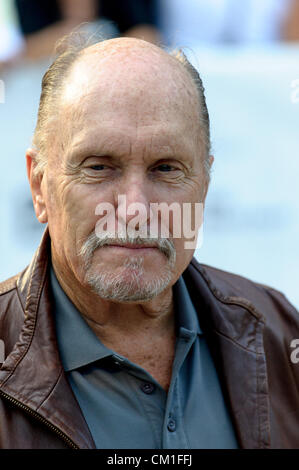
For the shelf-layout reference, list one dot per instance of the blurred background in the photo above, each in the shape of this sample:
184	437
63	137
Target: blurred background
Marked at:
247	52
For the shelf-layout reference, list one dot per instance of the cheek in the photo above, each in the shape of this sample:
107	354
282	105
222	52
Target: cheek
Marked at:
183	256
79	205
71	209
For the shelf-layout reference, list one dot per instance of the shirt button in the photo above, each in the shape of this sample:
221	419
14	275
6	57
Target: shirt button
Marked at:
147	388
117	360
171	426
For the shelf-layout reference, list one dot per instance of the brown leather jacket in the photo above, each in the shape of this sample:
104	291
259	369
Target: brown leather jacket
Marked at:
249	328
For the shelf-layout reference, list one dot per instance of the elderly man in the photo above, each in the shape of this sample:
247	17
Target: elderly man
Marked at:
126	341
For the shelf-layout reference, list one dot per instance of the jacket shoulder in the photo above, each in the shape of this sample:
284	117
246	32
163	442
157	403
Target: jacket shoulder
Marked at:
233	288
9	284
9	301
11	313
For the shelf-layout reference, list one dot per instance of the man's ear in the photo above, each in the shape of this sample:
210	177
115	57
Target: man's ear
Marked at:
35	181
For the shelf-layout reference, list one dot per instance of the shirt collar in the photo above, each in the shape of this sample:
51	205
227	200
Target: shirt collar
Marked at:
77	343
186	315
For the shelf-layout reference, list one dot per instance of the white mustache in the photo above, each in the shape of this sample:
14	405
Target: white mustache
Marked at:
94	241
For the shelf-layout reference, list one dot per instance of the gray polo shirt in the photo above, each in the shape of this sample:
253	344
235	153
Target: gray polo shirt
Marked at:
124	406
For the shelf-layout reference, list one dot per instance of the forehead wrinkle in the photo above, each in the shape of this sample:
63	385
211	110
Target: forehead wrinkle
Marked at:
148	142
134	113
156	139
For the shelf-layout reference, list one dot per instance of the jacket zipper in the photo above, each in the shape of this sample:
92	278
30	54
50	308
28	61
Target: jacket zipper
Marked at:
40	418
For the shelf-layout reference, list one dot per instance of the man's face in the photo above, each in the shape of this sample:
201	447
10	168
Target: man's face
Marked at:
128	126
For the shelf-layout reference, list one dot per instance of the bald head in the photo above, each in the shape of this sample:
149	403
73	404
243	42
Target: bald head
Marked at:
131	73
139	65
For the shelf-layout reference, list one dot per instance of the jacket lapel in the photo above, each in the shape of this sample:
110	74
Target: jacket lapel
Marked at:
33	374
234	331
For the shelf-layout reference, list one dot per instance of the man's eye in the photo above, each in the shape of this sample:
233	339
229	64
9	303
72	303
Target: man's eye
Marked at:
165	167
97	167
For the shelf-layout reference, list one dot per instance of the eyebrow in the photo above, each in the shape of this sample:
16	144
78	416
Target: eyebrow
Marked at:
79	154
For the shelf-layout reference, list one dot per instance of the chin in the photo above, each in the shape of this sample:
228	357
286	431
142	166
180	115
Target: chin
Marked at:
128	286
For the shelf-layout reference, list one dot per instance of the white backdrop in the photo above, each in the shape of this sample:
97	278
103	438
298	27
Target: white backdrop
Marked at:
251	223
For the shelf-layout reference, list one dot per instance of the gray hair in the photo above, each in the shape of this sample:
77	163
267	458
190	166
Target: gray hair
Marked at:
67	51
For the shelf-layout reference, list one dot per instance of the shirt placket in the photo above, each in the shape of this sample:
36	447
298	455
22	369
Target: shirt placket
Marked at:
174	436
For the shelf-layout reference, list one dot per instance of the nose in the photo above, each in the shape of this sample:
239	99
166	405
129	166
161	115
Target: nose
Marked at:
133	201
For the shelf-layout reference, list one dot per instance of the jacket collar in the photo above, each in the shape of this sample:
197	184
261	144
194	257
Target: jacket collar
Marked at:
33	375
234	331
